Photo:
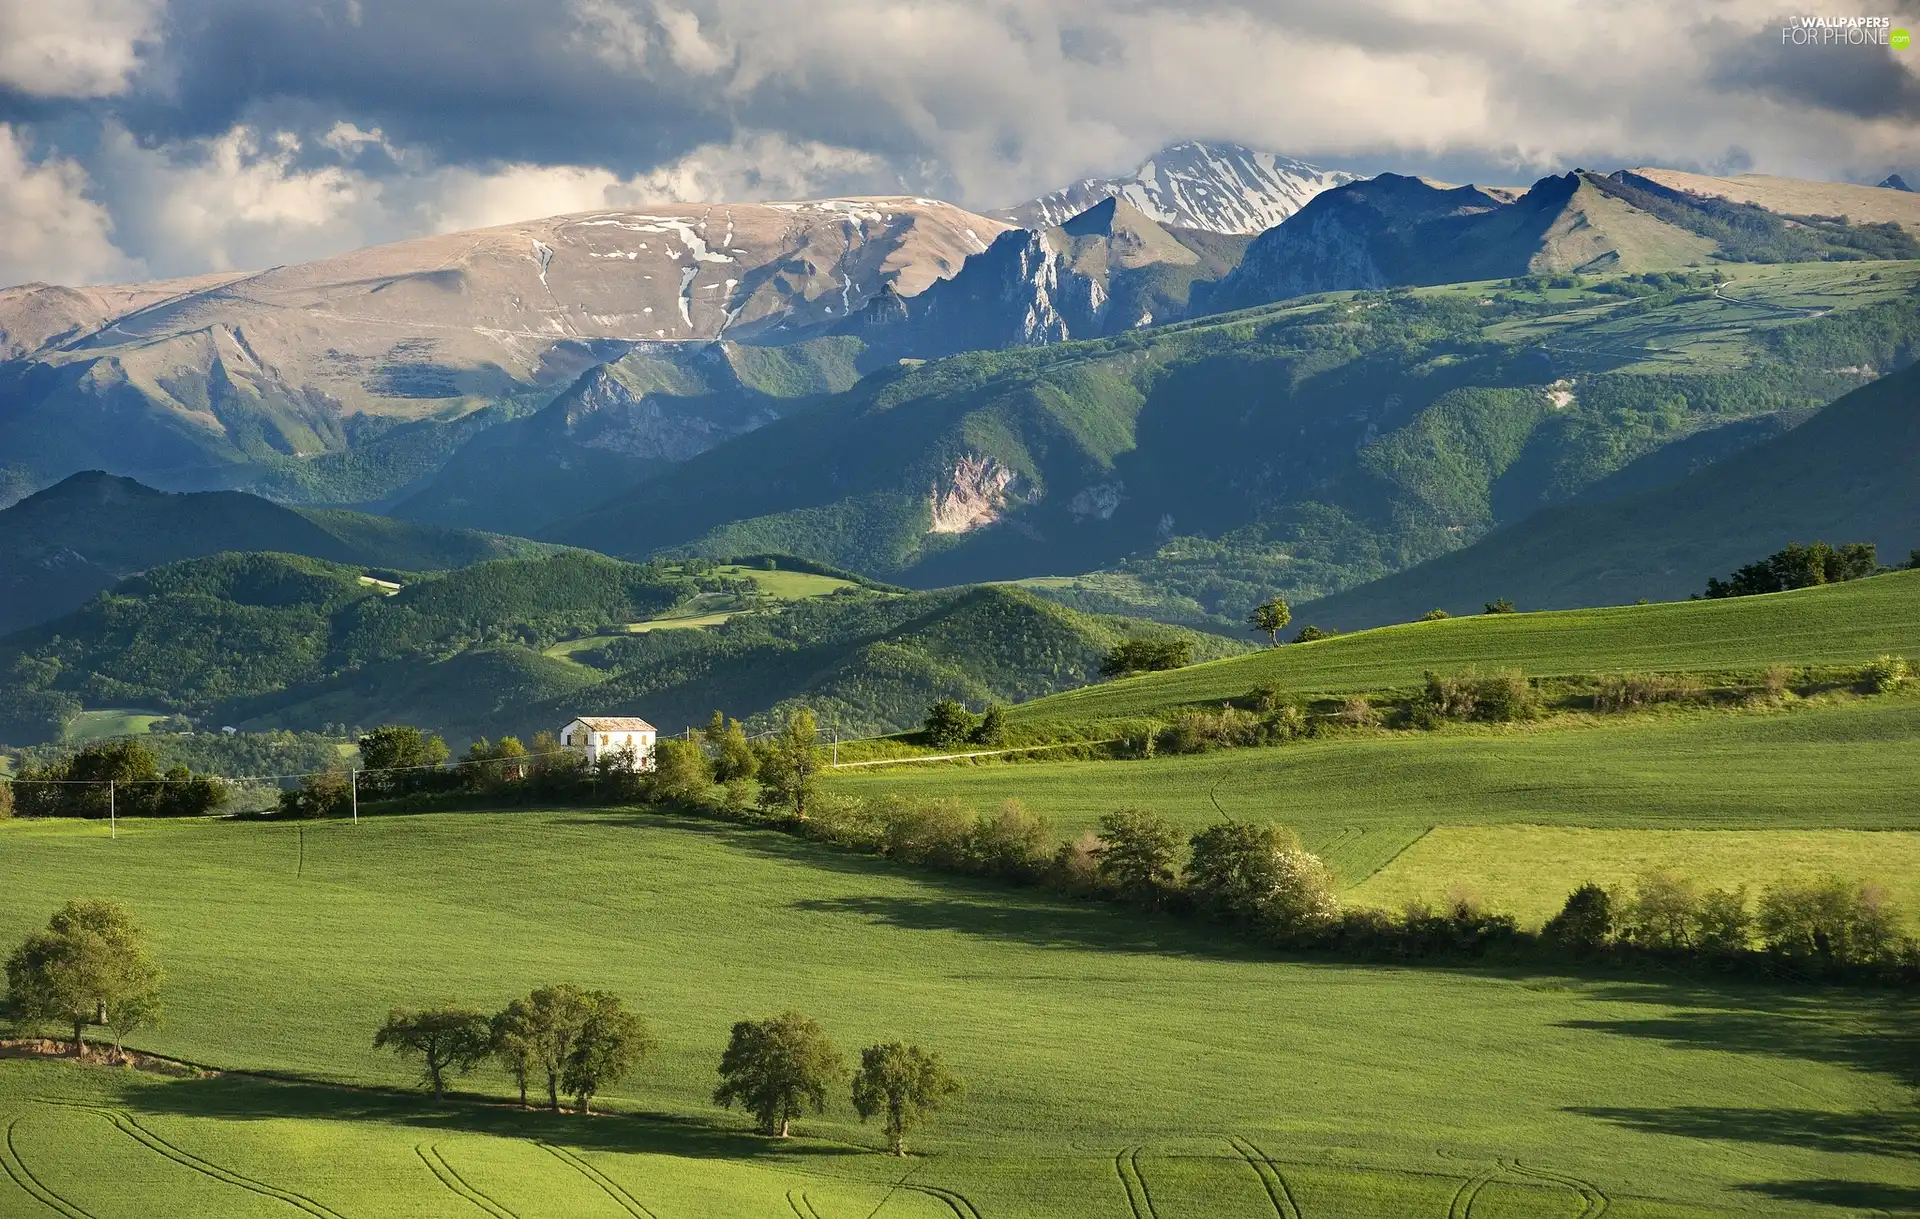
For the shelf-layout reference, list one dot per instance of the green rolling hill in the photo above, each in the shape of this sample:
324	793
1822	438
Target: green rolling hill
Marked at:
83	535
1852	473
1836	624
267	641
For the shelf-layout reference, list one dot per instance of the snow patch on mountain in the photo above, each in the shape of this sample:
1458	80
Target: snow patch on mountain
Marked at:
1220	187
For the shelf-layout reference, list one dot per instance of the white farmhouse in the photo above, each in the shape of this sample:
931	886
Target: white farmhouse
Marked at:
611	737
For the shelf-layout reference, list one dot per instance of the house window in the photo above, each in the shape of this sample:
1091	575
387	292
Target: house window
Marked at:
603	738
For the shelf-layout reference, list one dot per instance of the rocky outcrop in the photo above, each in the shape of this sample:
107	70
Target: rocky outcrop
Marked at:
975	495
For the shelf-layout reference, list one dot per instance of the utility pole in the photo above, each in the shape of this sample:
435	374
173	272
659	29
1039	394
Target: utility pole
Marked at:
836	740
113	813
353	779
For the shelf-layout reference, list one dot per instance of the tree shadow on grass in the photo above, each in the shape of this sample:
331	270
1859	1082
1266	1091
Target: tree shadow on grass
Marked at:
238	1097
1860	1195
1879	1133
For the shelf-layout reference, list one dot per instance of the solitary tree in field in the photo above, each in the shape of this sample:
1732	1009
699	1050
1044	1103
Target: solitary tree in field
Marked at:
611	1043
777	1069
557	1014
790	768
905	1085
948	723
445	1039
513	1035
1137	853
88	967
1271	616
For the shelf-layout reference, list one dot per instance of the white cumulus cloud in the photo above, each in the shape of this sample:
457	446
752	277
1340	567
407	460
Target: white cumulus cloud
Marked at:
49	229
73	48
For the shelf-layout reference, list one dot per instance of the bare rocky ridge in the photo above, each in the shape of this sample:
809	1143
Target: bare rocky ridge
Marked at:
1216	187
171	381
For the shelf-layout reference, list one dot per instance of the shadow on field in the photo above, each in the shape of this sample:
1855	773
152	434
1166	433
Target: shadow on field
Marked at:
243	1098
1863	1195
1872	1133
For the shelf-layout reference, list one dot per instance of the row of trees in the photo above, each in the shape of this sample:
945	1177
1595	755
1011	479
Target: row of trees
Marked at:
1799	566
583	1042
121	777
1821	919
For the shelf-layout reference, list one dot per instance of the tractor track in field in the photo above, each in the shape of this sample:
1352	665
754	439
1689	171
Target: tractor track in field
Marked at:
436	1162
17	1170
608	1186
1271	1179
957	1202
126	1124
801	1205
1126	1162
1594	1201
1462	1205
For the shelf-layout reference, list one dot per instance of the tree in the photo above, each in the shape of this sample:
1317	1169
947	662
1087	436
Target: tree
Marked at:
328	794
556	1014
611	1042
445	1038
948	723
89	967
776	1069
514	1034
1797	566
1146	656
992	729
1233	868
1137	853
680	770
1830	919
1499	605
1310	633
1584	923
397	757
790	767
1664	912
1303	894
6	801
1436	614
1271	616
905	1084
733	757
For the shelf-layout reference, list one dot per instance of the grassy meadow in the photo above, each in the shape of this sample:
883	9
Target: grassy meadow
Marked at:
1117	1065
1836	624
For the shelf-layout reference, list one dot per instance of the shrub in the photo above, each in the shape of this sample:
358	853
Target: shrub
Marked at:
1234	868
1357	712
1584	924
948	723
1885	674
329	794
1264	697
992	729
1499	605
6	801
1436	614
1198	731
845	821
1147	656
680	770
1632	691
1827	919
1310	633
1664	912
1012	844
1076	865
1776	681
929	832
1136	855
1468	695
1722	922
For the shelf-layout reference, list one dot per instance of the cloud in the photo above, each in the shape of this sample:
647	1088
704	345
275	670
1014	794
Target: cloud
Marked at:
394	127
73	48
49	229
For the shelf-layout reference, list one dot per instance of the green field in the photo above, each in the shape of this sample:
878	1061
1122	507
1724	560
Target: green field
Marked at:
1117	1065
1836	624
1532	868
777	585
107	722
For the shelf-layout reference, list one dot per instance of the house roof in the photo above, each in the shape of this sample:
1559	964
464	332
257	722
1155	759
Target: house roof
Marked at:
615	723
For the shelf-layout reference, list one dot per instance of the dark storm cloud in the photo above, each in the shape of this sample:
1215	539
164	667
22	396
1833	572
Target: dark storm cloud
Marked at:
1866	82
171	135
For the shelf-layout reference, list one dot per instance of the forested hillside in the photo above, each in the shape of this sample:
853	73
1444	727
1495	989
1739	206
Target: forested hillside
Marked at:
1851	473
281	641
65	544
1303	448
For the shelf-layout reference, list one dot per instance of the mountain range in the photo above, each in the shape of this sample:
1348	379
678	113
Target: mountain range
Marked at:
1214	186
